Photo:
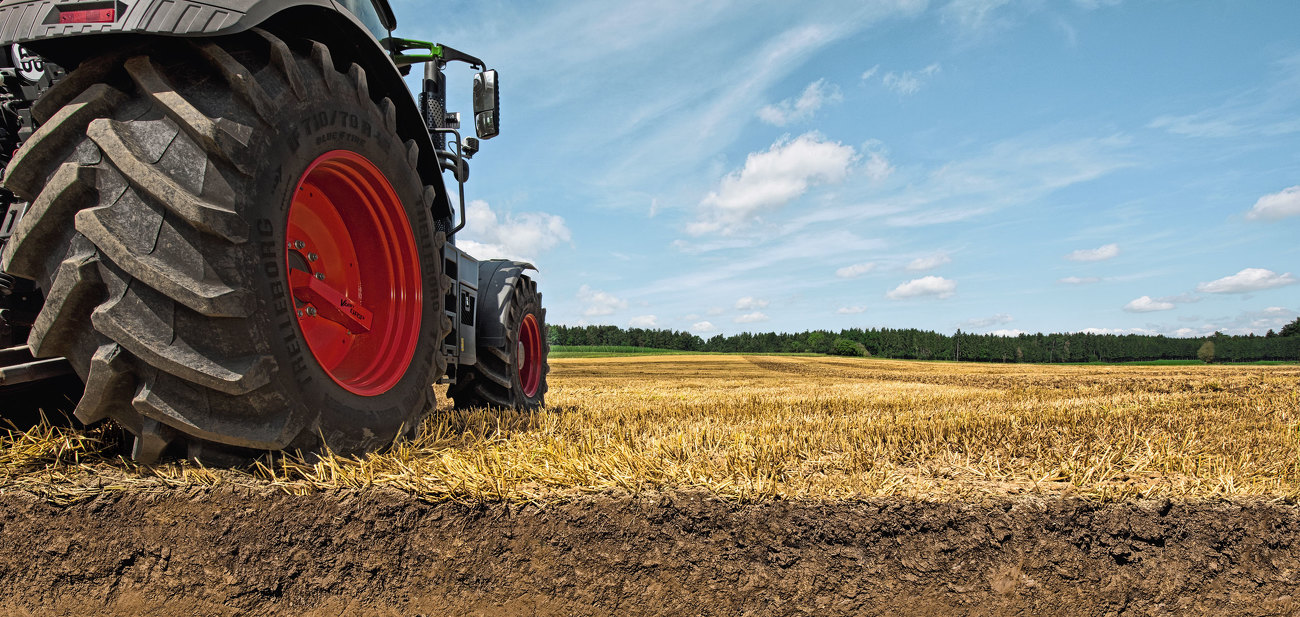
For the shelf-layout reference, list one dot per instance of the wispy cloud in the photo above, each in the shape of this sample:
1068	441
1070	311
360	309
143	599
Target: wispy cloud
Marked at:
1100	253
984	322
850	310
1259	112
1079	280
643	321
973	15
855	270
817	94
908	83
929	262
753	317
597	302
749	303
1278	205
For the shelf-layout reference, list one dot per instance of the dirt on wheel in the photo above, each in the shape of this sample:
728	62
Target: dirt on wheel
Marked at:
235	552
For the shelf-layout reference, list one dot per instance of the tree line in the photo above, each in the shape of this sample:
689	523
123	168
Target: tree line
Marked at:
911	343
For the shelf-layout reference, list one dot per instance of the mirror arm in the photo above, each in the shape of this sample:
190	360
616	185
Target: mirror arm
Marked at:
441	54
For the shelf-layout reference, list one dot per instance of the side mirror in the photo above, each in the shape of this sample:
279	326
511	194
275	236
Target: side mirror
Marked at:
487	105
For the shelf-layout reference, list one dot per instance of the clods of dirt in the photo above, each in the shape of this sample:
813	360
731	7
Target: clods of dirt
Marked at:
235	552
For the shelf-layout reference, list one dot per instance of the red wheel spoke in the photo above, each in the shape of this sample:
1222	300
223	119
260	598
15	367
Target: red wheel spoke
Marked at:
330	303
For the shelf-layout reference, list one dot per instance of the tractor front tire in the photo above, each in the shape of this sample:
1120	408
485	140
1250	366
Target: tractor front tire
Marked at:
236	249
513	374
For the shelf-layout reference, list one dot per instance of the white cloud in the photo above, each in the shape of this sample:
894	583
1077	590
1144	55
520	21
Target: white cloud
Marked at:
1098	254
924	286
850	310
1146	305
984	322
643	321
909	82
1096	4
772	179
871	72
929	262
1012	332
817	94
754	317
598	302
1277	205
855	270
510	236
1079	280
1246	281
749	303
972	15
877	166
703	327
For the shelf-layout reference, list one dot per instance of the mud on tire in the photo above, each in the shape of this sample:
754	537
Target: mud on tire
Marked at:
160	186
512	375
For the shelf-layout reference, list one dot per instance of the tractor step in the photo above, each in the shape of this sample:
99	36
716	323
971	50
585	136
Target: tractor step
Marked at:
17	366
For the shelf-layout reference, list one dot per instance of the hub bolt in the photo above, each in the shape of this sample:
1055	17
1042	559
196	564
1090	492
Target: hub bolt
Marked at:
312	256
320	276
299	244
311	311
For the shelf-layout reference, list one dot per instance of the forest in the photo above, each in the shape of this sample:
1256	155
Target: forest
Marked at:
911	343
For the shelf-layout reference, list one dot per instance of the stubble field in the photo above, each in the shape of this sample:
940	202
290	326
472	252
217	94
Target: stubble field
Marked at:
712	485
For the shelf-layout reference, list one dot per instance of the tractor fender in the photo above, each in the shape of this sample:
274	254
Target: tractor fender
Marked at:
34	20
35	24
496	280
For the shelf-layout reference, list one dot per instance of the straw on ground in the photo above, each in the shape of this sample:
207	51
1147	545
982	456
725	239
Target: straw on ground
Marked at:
761	427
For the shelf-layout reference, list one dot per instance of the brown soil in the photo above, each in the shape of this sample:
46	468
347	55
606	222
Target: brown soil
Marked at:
227	552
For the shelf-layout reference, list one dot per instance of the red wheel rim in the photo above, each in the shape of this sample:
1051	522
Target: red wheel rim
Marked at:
353	273
528	354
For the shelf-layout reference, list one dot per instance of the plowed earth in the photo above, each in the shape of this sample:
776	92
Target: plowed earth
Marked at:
233	552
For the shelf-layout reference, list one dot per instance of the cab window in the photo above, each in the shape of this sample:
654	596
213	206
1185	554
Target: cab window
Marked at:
366	12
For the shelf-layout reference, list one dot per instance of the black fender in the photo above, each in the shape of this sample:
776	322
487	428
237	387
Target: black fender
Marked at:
496	279
35	24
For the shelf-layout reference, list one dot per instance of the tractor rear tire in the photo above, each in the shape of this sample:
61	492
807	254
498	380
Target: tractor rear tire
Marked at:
171	194
512	375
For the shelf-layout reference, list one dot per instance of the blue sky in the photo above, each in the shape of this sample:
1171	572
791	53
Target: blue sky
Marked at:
989	165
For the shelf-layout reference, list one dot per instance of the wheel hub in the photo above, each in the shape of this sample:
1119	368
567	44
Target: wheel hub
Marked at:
353	272
528	355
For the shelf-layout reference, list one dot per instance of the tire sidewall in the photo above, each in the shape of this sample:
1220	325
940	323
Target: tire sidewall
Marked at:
322	122
529	304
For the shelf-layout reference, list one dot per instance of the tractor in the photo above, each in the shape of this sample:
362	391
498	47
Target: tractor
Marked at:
226	228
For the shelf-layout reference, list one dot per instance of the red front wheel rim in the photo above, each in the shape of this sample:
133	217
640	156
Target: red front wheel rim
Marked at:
353	273
528	353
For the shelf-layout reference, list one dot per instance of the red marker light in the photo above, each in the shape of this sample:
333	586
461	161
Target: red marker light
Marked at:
91	16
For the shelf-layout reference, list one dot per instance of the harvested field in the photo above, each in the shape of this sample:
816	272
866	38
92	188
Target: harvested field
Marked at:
710	485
